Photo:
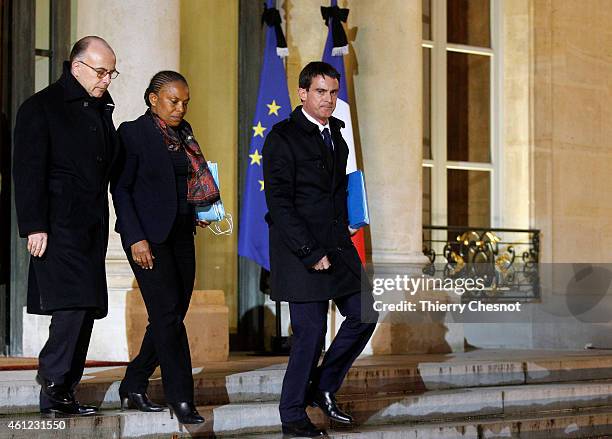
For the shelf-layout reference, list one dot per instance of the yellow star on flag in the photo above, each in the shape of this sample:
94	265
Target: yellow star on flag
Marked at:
261	182
273	107
256	158
258	130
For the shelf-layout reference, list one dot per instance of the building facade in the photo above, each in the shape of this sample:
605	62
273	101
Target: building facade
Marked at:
480	114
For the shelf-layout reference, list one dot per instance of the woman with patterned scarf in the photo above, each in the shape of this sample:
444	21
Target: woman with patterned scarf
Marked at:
163	176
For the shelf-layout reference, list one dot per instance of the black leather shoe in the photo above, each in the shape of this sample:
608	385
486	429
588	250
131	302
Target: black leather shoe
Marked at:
139	401
303	428
326	401
186	413
58	393
71	409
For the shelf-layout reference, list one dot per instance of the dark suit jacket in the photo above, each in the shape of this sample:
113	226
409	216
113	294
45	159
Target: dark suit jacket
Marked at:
65	146
306	196
145	196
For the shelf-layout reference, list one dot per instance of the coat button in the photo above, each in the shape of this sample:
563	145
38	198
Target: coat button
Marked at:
339	249
93	128
99	159
85	104
335	222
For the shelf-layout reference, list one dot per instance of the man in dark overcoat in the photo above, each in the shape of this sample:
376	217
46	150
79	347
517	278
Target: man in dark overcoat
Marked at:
65	145
312	258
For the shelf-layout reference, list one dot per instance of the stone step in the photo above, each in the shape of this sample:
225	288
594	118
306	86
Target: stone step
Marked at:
119	274
572	406
585	424
370	377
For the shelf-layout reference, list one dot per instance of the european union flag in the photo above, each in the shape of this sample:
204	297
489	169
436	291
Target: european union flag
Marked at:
273	105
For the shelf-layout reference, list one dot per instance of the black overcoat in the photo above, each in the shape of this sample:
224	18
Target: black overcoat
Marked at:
305	188
65	146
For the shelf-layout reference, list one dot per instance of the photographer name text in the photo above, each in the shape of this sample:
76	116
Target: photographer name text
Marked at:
437	306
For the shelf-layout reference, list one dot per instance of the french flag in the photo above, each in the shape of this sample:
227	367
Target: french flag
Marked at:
336	47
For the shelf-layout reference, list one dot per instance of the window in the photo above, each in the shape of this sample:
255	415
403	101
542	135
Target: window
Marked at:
42	66
461	112
52	25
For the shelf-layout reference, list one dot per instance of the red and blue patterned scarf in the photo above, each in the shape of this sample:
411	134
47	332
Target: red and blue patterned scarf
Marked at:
201	187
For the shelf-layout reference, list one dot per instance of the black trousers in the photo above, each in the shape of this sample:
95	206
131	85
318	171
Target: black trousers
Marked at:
309	324
166	290
62	359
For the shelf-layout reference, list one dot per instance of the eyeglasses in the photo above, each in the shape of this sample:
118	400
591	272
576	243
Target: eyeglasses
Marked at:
102	72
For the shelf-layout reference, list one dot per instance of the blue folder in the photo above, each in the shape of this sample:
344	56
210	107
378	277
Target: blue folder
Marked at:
357	201
215	211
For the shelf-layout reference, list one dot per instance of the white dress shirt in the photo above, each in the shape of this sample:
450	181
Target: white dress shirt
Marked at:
318	124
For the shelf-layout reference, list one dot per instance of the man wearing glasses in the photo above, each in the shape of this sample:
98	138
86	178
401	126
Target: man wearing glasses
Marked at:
65	146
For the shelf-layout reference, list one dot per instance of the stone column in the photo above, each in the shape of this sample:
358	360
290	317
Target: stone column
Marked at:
387	73
145	35
385	69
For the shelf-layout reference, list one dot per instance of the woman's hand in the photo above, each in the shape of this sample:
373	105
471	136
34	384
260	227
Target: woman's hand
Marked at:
141	254
203	223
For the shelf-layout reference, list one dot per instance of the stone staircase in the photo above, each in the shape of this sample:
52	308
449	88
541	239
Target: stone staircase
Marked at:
479	394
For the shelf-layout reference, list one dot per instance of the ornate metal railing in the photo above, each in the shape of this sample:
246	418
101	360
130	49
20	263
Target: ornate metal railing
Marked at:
505	259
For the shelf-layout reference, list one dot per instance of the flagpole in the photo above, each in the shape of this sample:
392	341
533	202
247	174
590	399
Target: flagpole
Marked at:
273	105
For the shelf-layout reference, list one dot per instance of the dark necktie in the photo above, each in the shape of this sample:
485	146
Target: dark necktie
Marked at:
328	140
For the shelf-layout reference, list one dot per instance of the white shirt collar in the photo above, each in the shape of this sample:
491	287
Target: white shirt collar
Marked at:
316	122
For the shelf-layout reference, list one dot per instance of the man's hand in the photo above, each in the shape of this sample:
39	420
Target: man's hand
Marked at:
37	243
323	264
141	254
203	223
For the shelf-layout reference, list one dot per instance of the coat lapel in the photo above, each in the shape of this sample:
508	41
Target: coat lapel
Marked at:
336	163
298	117
113	140
340	152
157	151
76	101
